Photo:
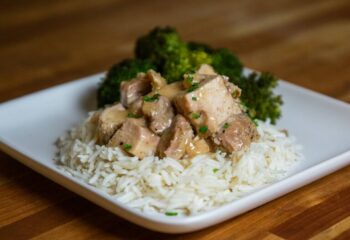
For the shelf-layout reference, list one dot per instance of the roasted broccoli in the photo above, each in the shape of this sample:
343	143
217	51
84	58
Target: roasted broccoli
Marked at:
196	46
185	61
171	55
226	63
159	45
258	96
176	65
109	92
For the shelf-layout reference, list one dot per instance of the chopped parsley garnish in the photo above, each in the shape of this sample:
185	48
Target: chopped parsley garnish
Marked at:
171	213
255	122
203	129
154	98
215	170
193	87
189	79
132	115
127	146
226	125
196	115
235	94
194	99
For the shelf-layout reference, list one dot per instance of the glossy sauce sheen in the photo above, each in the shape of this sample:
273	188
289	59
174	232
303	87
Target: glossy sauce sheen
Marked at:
171	90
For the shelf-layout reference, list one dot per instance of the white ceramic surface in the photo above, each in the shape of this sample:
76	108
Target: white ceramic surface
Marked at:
31	124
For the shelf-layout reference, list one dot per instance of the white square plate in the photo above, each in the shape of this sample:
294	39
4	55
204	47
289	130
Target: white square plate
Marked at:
31	124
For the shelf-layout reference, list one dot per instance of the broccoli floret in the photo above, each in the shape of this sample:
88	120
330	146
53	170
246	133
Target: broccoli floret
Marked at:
159	44
164	48
176	66
109	90
184	62
258	96
223	60
171	55
196	46
226	63
198	57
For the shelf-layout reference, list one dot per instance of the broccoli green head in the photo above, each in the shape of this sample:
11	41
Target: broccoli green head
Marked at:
226	63
185	61
171	55
223	60
196	46
199	57
258	96
159	44
176	65
109	90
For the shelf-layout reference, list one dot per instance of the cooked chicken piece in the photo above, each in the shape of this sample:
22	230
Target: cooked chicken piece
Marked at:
159	112
207	105
95	117
236	134
135	138
204	72
175	139
197	146
206	69
133	89
119	107
109	120
157	81
136	106
171	90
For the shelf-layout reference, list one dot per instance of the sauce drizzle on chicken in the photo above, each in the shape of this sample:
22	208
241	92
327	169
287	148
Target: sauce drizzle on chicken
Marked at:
197	116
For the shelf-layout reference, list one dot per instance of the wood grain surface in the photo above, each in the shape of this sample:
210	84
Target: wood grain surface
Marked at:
45	43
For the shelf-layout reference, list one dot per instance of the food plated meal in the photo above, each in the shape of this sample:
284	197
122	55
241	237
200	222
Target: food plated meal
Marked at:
190	193
180	130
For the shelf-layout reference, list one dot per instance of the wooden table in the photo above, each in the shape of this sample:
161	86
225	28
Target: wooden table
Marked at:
45	43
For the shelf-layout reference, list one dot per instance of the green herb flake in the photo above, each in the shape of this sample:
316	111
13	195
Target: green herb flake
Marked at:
235	94
226	125
154	98
193	87
127	146
194	99
196	115
255	122
215	170
132	115
203	129
171	213
189	79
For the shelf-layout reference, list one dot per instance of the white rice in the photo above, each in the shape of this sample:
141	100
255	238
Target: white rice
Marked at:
187	186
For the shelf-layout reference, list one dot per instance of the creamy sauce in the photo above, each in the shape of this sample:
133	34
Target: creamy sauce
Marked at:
116	116
170	90
206	108
197	146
